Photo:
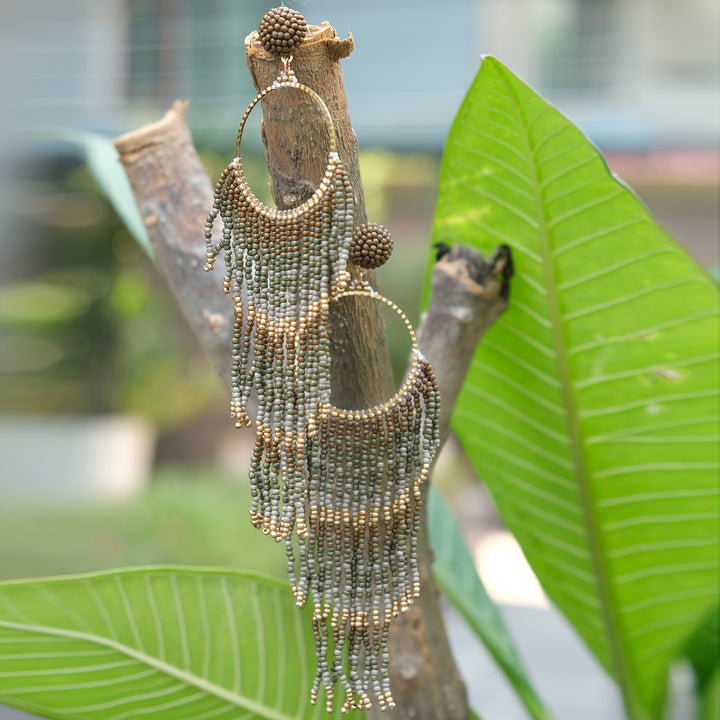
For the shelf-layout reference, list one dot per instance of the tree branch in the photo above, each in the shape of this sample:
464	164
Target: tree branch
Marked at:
174	195
296	147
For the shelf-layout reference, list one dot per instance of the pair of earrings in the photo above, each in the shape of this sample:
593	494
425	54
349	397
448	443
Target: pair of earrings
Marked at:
339	487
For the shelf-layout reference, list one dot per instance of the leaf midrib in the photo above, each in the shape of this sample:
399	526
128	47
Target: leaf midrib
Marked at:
186	677
611	620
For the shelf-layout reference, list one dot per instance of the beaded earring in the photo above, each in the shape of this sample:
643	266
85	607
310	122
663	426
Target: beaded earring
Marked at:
358	551
347	481
281	267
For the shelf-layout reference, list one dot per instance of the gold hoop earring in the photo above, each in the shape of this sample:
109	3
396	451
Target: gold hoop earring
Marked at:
281	267
358	545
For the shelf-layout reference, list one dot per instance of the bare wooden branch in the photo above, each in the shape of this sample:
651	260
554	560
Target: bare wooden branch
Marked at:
296	142
174	195
468	294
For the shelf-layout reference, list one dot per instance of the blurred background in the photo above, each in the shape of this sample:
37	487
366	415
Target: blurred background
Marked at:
115	442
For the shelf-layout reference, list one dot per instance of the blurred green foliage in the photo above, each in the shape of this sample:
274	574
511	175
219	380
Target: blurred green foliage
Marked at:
197	518
89	326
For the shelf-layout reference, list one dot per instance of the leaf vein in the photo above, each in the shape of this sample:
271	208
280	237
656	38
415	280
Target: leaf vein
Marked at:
603	232
647	331
645	402
563	217
623	299
672	518
182	623
157	665
659	570
613	267
129	614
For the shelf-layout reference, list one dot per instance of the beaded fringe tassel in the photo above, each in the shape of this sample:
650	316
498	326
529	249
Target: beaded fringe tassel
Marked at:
346	481
286	262
358	554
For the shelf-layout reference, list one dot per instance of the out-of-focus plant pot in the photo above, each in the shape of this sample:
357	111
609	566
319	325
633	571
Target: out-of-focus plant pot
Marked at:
61	460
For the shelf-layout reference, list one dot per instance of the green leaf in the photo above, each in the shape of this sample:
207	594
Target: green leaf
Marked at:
104	164
709	707
157	643
455	573
591	406
702	648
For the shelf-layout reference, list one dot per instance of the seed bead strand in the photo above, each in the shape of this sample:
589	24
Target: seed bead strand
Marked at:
354	637
352	465
294	448
242	264
243	363
372	482
406	535
382	590
314	482
320	608
417	475
334	576
365	579
235	384
262	381
392	426
308	568
398	558
346	505
256	513
278	414
259	473
220	193
291	557
385	470
373	437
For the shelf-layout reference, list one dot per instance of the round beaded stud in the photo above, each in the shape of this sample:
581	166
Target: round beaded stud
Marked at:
371	246
282	30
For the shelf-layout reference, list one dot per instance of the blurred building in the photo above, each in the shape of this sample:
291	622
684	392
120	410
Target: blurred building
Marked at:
635	73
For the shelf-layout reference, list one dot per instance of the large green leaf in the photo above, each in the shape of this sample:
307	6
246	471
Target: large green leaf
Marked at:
455	573
709	706
156	643
702	649
591	406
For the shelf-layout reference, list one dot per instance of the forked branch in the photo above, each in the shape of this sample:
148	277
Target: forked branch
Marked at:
468	294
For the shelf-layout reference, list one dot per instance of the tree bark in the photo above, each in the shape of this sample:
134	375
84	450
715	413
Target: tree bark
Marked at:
296	144
174	195
468	293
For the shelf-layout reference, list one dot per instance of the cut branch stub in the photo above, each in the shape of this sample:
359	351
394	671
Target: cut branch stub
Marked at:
296	154
174	194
